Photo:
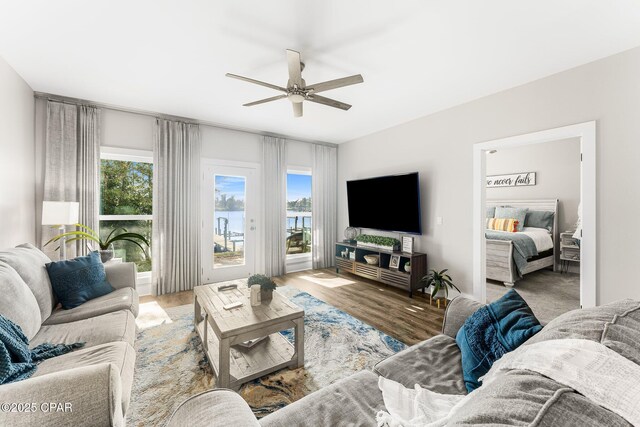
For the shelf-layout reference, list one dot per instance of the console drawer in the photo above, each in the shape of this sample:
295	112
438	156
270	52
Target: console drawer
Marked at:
368	271
395	279
344	264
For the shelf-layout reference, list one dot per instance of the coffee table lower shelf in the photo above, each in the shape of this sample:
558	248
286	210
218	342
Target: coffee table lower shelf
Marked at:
245	364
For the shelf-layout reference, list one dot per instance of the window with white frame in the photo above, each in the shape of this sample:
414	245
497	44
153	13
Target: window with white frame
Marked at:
298	211
126	195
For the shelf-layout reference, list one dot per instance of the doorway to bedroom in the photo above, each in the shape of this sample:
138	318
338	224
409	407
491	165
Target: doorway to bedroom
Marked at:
532	203
531	212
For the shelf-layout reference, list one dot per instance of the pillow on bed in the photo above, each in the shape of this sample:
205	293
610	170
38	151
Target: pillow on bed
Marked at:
518	214
539	219
491	212
502	224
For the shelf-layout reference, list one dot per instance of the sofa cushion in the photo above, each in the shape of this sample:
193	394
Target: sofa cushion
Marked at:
78	280
353	401
523	398
491	332
30	262
106	328
17	302
120	354
616	325
434	364
120	299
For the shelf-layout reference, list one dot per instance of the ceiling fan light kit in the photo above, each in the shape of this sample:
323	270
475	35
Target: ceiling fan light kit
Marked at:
297	90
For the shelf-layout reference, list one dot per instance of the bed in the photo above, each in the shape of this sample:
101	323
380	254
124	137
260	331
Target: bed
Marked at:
505	249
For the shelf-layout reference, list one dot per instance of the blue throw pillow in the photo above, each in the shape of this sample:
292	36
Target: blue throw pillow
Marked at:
492	331
516	213
539	219
78	280
491	212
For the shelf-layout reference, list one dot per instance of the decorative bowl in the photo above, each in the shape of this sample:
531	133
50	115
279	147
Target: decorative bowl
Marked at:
371	259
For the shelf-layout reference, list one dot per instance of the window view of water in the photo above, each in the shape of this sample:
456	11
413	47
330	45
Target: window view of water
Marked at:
298	213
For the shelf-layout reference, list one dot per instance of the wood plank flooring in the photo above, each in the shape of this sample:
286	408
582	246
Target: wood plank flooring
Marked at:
388	309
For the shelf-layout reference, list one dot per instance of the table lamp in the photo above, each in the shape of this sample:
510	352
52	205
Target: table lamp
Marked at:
61	214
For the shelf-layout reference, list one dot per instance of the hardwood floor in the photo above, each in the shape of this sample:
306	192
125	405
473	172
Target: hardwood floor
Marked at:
388	309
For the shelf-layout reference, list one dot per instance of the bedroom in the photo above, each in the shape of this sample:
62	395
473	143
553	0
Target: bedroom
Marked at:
538	185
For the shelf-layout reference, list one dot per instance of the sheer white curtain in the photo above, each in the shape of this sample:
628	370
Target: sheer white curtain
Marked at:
72	165
274	163
324	205
176	206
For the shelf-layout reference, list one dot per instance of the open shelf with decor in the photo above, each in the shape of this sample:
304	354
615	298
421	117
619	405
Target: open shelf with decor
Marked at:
350	258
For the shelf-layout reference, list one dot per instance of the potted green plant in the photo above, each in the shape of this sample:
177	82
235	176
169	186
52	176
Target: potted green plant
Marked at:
440	283
267	286
407	267
118	234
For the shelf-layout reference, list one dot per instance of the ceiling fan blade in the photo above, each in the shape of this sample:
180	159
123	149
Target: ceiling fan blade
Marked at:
262	101
295	72
334	84
258	82
297	109
327	101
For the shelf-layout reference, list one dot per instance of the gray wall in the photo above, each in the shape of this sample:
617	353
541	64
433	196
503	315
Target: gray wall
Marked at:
17	199
557	167
439	146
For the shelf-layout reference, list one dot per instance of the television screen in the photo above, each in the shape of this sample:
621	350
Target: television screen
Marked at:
390	203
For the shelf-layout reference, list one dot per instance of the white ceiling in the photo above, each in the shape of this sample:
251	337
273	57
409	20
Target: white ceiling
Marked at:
417	56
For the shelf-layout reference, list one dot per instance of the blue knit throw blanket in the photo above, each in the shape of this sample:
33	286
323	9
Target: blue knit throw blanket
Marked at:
17	361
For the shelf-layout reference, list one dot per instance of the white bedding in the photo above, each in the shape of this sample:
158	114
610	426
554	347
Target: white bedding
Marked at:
540	236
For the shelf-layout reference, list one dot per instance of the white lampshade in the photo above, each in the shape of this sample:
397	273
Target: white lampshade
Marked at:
60	213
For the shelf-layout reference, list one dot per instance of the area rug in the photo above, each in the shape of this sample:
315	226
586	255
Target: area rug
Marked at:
171	366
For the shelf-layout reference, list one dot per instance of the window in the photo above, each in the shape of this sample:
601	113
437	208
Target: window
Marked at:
126	201
298	212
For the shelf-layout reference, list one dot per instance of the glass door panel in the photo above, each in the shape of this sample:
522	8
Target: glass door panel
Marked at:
229	203
229	221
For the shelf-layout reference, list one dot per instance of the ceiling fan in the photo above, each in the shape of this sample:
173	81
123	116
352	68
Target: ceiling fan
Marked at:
297	90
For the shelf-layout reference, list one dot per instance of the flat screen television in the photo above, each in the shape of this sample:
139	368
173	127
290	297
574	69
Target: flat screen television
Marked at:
390	203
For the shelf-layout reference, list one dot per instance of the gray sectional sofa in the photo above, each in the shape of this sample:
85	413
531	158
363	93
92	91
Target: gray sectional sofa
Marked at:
516	398
93	383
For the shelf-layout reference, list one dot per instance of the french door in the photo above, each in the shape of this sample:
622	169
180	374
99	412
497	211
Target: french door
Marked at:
229	224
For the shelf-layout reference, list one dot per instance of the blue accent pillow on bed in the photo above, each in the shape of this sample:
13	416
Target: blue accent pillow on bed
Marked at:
516	213
539	219
78	280
491	212
492	331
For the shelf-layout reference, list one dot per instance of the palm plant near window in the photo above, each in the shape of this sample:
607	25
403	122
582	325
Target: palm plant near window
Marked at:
118	234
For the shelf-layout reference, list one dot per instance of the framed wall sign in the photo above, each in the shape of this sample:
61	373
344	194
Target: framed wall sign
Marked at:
394	262
407	244
522	179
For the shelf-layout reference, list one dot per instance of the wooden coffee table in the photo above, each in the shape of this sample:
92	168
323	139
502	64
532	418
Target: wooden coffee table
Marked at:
220	330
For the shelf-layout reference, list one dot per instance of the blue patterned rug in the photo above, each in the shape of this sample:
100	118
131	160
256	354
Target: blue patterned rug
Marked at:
171	366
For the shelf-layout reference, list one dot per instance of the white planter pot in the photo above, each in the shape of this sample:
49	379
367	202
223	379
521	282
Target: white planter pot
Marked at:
440	293
374	246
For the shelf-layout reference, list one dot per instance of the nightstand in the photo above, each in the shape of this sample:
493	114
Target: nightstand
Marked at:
569	250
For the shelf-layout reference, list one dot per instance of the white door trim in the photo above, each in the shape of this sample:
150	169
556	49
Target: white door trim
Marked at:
587	133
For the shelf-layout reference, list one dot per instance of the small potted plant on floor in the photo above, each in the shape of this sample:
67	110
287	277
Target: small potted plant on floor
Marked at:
439	283
267	286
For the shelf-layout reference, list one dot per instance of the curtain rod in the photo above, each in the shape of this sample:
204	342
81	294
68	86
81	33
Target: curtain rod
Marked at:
78	101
